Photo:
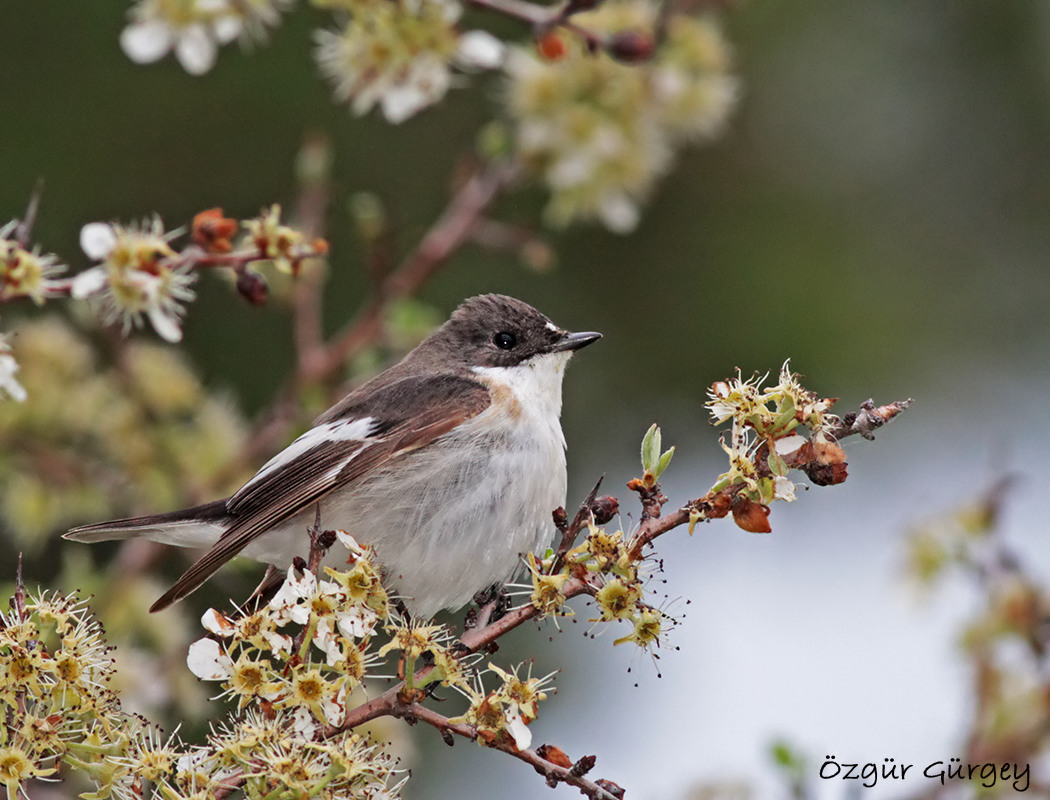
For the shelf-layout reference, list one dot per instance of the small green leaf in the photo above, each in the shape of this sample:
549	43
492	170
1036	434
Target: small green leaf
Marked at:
694	517
785	418
665	459
765	491
787	757
777	465
651	449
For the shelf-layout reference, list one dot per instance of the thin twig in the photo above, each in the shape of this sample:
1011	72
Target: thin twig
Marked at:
553	773
568	536
448	233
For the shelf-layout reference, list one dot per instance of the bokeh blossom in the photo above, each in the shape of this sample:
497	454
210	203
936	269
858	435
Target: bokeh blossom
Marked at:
9	384
193	29
598	131
25	273
399	55
135	278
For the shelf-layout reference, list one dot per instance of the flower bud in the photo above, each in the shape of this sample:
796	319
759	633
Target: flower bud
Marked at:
610	787
604	509
551	46
555	755
631	47
212	231
252	287
751	516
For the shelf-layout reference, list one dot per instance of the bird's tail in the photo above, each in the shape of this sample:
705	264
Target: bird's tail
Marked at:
200	526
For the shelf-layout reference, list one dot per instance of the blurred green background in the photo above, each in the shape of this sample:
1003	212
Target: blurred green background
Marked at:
878	212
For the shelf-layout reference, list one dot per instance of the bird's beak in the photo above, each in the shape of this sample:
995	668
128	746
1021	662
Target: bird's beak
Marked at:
574	341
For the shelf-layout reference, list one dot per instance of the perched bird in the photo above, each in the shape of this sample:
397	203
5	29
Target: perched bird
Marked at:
448	464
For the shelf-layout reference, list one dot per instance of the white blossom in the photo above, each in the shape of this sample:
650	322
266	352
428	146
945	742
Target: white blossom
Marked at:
135	278
8	382
399	56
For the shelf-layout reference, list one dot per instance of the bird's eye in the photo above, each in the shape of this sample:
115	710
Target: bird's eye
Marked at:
504	340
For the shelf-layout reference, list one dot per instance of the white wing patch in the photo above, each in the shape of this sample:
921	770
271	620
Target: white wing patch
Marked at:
342	430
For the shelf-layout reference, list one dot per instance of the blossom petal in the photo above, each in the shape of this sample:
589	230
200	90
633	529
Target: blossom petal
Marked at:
303	723
196	50
147	41
401	102
518	730
355	624
335	709
207	661
8	382
165	324
480	49
89	282
226	29
217	623
349	542
788	444
97	239
783	489
619	213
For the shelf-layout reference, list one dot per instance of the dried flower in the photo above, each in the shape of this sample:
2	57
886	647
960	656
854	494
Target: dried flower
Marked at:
212	231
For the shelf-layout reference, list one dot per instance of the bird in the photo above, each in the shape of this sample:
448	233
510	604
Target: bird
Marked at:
448	464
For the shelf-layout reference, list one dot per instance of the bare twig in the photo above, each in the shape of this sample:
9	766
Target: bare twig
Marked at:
553	773
451	230
25	226
568	535
868	419
311	207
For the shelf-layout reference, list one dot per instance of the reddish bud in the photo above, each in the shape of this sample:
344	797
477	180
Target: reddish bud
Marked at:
555	755
561	519
212	231
320	247
751	516
252	287
611	788
551	46
604	509
721	505
631	47
584	765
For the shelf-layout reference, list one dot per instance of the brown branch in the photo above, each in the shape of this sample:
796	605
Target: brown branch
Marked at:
569	532
553	773
389	704
868	419
716	504
448	233
311	207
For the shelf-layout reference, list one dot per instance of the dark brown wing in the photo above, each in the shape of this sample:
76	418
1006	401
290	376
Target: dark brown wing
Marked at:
403	417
